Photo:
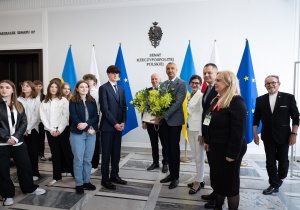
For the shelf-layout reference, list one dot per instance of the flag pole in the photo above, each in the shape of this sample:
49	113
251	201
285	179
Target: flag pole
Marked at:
121	155
185	159
244	163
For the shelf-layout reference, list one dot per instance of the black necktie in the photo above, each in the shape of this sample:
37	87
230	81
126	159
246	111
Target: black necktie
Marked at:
117	93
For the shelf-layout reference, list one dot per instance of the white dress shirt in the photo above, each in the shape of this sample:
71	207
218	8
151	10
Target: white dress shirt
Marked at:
272	100
55	114
12	128
32	110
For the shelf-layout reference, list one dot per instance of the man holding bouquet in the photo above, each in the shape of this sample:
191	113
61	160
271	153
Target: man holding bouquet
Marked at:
171	123
154	134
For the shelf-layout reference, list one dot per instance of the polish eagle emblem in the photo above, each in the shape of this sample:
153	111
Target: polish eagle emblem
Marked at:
155	33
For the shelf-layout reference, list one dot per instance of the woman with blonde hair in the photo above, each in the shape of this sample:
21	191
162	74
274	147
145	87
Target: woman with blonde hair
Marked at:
13	124
65	91
31	103
225	124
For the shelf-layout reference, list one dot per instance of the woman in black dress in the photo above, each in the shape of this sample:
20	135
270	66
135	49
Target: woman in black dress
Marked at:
226	125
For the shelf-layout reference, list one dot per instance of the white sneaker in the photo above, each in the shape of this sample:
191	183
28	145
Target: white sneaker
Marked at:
68	174
35	178
93	170
63	174
52	182
39	191
8	201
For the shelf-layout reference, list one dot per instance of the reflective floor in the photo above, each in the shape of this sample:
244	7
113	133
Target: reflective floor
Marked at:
144	191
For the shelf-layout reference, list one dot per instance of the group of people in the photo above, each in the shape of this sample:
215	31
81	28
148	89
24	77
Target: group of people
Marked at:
216	123
71	123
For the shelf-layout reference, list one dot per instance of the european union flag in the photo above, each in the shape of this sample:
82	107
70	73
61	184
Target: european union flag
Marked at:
187	71
69	73
131	122
248	90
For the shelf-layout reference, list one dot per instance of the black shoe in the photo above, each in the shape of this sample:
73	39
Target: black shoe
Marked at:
270	190
50	158
202	184
280	182
210	204
193	191
166	179
118	180
89	186
165	168
153	166
108	185
79	190
174	183
211	196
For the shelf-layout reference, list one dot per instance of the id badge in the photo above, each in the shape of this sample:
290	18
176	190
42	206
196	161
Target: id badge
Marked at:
207	120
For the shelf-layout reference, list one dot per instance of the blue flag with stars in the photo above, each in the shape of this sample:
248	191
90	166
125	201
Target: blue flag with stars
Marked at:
123	81
248	90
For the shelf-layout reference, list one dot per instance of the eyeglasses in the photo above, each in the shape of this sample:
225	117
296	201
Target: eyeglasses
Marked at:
270	83
195	83
27	86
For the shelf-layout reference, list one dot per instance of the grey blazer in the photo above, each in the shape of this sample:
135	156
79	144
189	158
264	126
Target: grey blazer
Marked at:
174	116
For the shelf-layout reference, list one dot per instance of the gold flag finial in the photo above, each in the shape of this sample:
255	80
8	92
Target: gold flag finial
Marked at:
120	43
215	40
189	40
70	45
246	40
93	45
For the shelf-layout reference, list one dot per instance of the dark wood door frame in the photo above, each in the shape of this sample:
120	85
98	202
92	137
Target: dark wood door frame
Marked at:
39	52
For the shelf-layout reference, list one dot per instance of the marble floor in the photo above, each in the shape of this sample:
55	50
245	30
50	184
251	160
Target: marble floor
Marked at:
144	191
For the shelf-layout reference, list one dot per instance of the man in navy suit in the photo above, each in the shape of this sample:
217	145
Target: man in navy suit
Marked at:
171	123
113	107
210	71
274	110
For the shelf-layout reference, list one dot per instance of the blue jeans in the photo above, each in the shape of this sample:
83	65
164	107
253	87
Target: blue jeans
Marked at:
83	149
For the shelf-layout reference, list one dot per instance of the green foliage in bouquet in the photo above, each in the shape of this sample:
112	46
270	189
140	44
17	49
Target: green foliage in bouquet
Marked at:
156	101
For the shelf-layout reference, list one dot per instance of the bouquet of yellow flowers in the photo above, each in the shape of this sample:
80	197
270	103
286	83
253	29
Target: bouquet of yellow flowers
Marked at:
155	102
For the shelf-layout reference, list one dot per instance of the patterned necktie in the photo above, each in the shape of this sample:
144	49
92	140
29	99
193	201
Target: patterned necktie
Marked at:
117	93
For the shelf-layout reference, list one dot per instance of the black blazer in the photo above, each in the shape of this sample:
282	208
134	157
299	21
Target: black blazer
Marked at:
42	97
276	125
113	110
21	124
77	115
212	94
228	126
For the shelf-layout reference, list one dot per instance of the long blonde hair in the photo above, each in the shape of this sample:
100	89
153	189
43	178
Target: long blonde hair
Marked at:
233	88
14	100
68	97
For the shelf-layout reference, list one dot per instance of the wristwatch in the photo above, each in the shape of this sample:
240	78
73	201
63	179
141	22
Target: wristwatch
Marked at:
294	133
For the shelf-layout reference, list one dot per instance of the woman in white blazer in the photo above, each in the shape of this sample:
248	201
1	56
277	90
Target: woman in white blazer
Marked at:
31	103
193	127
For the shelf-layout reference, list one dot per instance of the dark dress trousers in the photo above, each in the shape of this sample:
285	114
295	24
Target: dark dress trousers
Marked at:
206	104
113	110
171	126
41	132
154	133
226	138
275	132
18	153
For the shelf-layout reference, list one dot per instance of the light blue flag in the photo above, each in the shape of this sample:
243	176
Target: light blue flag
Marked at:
131	122
188	69
69	72
248	90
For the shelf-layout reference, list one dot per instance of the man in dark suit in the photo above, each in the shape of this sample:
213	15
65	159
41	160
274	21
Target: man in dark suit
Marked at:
210	71
274	110
39	89
153	134
171	123
113	107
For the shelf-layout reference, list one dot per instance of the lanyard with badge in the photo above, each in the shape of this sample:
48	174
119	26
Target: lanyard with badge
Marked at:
207	118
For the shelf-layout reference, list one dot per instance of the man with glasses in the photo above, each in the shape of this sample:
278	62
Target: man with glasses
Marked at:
274	110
